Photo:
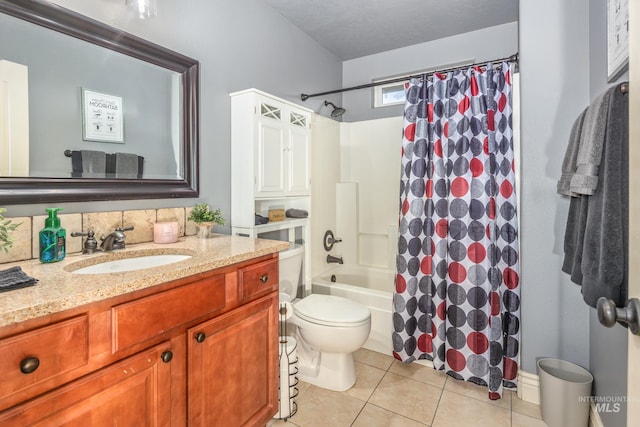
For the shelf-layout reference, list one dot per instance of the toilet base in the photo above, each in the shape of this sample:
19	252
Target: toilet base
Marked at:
337	372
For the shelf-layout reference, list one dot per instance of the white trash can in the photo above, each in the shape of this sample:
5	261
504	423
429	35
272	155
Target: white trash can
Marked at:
565	393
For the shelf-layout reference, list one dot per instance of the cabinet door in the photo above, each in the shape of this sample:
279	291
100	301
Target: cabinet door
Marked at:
232	367
298	158
132	392
271	160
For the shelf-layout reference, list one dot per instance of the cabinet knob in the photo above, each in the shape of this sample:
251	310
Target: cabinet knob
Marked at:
29	364
264	278
200	337
166	356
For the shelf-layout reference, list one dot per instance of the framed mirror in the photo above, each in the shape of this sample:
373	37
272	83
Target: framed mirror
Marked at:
92	112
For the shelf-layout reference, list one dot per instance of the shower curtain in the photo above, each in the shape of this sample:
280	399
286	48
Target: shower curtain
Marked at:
457	292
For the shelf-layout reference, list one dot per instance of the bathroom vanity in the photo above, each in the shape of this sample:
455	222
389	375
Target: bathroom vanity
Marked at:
191	343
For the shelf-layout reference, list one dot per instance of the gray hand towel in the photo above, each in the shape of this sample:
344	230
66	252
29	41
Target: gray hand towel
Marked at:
585	179
571	156
88	164
15	278
296	213
126	166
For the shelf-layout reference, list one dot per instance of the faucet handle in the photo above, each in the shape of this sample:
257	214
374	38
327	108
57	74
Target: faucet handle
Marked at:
124	229
90	244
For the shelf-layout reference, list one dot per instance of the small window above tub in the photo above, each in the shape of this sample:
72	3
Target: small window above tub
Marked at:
388	94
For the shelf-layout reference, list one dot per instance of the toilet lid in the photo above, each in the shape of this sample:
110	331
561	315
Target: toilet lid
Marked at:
330	309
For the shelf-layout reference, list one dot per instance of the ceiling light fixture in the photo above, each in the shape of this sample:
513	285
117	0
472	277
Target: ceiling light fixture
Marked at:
144	8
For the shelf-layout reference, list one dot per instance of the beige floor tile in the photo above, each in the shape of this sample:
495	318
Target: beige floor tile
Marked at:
367	379
318	407
373	416
280	423
456	410
526	408
424	374
519	420
478	392
302	387
373	358
408	397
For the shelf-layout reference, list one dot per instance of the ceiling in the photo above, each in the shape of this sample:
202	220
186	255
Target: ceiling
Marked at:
355	28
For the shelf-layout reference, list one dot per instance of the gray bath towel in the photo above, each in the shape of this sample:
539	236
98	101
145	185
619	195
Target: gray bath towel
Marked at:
88	164
571	156
605	249
126	166
585	179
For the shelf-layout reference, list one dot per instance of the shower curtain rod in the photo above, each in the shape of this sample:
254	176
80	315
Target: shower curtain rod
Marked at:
512	58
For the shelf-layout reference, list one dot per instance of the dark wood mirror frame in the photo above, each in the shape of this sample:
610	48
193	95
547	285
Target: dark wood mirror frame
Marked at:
41	190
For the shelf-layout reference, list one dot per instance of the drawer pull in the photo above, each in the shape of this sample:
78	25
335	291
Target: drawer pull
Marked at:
166	356
29	364
264	278
200	337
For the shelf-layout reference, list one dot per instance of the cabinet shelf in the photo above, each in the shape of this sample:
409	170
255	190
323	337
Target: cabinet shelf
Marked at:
279	225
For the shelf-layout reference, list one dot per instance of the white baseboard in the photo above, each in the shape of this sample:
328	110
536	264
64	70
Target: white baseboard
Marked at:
594	417
528	387
529	391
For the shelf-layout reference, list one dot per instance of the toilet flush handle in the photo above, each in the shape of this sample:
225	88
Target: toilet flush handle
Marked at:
609	314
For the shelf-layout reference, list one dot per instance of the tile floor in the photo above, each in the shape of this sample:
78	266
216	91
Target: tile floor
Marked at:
391	394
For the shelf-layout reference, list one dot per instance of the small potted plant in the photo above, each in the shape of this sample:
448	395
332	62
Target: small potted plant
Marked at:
6	227
205	218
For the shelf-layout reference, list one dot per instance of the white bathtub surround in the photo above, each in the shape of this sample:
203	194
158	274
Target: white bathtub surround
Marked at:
347	221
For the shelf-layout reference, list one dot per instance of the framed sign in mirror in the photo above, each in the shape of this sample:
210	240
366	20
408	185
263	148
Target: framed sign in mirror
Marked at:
101	117
617	38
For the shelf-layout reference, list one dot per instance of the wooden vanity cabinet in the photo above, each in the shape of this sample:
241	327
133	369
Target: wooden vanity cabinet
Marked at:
131	392
233	380
196	351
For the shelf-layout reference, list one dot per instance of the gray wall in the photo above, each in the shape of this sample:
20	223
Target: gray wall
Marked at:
477	46
554	52
607	346
240	44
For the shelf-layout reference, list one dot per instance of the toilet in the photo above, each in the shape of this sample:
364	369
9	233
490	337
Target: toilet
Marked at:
328	328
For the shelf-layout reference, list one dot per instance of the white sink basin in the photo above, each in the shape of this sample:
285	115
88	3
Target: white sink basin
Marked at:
131	264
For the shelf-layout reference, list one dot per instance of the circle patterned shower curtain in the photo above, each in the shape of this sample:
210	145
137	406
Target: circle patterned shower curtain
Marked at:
457	290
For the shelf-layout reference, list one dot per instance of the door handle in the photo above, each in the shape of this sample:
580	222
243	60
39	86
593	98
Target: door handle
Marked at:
609	314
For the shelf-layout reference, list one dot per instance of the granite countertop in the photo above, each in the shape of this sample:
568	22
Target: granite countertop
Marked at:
60	289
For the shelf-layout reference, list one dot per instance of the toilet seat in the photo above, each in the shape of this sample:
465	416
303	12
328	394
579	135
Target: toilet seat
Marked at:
330	310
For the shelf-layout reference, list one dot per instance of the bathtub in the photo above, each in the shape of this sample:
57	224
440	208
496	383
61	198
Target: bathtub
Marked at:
369	286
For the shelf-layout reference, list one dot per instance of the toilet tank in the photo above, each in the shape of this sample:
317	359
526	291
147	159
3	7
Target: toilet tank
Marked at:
289	269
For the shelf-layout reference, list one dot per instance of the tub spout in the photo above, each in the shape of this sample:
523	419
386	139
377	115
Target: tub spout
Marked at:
332	259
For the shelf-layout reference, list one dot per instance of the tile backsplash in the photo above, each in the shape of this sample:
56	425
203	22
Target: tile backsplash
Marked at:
25	237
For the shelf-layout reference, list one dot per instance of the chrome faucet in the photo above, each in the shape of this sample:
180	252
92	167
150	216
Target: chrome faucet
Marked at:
332	259
115	240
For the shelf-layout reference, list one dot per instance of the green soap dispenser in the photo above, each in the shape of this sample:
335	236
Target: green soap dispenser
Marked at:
52	238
